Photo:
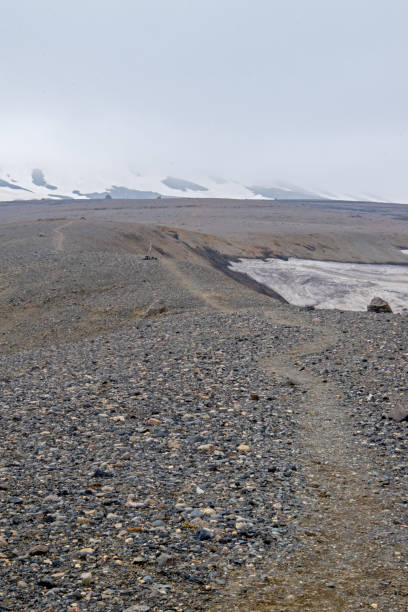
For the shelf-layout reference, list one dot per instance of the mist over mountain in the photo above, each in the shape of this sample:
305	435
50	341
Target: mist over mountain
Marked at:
279	99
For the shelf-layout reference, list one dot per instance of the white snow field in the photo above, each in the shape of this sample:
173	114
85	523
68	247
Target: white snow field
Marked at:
329	285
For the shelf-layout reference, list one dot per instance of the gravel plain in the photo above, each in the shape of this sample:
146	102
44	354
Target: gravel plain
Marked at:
174	441
151	459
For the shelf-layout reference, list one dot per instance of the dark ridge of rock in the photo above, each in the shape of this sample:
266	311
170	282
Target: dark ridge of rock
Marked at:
221	262
182	185
38	179
13	186
274	193
118	192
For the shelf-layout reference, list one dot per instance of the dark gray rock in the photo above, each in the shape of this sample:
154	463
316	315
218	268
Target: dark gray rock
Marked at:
399	414
377	304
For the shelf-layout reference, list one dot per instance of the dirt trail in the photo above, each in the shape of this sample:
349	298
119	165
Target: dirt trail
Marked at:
58	236
343	560
340	563
213	300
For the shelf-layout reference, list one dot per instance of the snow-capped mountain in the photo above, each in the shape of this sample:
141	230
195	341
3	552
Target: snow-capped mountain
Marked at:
28	183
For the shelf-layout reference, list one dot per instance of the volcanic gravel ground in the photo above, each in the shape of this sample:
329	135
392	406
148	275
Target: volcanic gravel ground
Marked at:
50	298
233	453
52	295
369	362
351	449
145	467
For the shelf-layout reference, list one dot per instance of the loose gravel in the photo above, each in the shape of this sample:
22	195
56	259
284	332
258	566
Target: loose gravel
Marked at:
145	467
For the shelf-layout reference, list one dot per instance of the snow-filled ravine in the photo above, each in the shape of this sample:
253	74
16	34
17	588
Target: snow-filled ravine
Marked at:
326	284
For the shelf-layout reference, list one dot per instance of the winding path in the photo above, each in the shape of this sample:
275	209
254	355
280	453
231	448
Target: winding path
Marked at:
341	562
58	237
344	558
185	280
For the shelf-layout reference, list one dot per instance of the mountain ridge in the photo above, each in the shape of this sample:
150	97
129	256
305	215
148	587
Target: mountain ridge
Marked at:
23	183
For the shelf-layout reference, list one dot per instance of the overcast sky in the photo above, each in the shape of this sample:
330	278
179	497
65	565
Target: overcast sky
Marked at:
312	92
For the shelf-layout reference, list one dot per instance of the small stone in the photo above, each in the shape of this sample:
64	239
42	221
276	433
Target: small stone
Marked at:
147	579
86	578
198	522
15	500
243	448
196	513
47	582
205	447
399	414
51	498
254	396
84	552
3	542
153	421
139	560
132	502
203	534
100	473
38	549
21	584
208	511
163	560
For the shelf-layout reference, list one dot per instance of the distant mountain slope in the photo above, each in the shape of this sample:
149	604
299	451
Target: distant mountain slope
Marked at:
58	182
38	179
120	193
182	185
284	193
7	185
61	182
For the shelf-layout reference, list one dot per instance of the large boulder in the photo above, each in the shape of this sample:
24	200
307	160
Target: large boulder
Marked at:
377	304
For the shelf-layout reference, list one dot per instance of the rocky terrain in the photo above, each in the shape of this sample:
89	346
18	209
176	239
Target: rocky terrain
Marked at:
176	440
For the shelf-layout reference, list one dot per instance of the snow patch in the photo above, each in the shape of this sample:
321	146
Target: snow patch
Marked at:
328	285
